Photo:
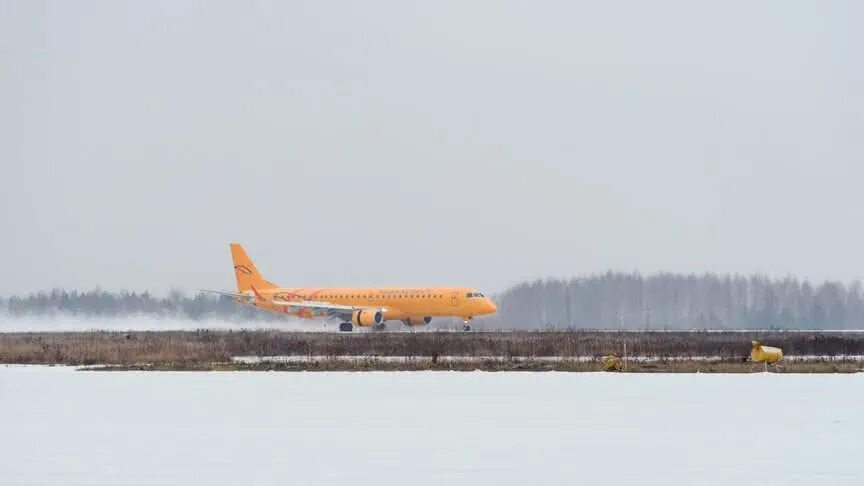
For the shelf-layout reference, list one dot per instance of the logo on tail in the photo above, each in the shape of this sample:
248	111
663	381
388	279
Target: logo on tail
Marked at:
245	271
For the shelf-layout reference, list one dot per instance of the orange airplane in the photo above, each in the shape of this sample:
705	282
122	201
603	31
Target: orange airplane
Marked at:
367	307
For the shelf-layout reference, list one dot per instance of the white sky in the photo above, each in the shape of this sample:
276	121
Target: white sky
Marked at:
412	143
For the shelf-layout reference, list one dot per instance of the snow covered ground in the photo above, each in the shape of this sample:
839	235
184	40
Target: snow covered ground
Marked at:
60	426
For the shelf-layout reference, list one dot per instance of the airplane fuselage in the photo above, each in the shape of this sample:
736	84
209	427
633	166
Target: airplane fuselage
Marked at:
397	303
360	306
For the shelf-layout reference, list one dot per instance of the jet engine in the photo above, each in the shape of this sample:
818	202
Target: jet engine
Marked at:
418	321
366	317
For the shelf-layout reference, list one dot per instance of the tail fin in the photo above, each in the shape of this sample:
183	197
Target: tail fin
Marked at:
247	275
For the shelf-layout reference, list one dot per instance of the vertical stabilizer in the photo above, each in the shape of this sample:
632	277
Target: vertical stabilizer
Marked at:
245	271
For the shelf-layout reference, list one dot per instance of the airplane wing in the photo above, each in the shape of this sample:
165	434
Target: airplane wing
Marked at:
322	308
312	307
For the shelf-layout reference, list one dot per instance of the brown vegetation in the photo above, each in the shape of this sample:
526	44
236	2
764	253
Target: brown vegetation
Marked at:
86	348
196	349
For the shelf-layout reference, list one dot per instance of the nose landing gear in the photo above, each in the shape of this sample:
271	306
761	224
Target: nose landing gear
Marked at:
466	326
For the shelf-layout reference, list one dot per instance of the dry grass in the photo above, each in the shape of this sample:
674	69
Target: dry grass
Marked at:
107	348
201	349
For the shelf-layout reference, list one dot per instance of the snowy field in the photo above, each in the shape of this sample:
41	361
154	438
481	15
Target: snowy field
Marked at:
61	426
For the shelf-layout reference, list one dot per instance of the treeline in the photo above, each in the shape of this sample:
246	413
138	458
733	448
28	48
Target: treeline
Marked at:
607	301
99	303
669	301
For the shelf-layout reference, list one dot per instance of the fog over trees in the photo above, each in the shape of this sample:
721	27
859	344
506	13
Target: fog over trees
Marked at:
607	301
670	301
98	303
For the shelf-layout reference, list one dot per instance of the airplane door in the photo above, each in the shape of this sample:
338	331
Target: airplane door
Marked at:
454	299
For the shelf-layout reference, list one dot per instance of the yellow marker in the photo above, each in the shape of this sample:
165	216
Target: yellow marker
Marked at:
765	354
612	363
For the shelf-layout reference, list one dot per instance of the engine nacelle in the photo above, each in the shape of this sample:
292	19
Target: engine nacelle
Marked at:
367	317
418	321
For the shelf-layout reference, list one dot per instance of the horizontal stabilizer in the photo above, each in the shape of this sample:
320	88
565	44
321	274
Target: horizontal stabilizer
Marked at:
227	294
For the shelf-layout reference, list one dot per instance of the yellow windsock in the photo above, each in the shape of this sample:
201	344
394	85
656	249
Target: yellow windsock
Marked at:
245	271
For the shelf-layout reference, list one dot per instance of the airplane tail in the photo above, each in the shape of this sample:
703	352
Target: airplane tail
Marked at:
247	275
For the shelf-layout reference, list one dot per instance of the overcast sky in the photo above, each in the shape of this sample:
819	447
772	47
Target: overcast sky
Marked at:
412	143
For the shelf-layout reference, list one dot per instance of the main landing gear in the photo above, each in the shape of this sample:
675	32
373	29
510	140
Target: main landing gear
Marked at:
346	327
379	327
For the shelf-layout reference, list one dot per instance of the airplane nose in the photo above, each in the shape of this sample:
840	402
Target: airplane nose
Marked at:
490	307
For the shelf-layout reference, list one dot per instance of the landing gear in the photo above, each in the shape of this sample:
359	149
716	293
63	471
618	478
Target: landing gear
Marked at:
379	327
466	325
346	327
